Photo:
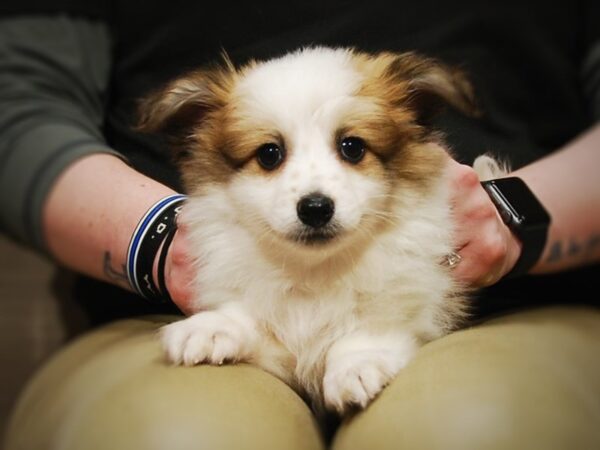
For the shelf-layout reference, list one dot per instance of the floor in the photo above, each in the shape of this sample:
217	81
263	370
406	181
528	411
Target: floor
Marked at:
31	328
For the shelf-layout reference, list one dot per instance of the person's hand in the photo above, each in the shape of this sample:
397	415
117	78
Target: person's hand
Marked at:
180	273
486	246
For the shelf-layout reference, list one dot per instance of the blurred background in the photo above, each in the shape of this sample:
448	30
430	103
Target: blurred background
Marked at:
32	306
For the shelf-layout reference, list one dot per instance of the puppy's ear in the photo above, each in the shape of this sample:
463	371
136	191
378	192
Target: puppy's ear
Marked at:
430	85
182	104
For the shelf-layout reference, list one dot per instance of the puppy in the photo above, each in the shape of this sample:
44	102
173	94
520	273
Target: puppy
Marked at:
318	216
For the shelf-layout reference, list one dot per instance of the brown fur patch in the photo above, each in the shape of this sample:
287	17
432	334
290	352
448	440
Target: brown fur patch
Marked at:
397	137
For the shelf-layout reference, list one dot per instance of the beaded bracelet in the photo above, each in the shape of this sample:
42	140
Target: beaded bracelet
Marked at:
152	230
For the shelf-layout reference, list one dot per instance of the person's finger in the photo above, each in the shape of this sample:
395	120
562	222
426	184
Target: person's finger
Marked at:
477	267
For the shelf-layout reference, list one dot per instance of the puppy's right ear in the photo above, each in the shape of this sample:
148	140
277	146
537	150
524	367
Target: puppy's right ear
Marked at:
426	85
176	109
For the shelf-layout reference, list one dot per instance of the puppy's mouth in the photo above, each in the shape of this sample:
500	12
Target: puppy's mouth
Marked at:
315	237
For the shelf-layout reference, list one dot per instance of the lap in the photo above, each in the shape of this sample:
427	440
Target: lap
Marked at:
524	380
111	389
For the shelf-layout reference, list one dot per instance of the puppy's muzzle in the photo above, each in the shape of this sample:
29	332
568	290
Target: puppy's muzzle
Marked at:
315	210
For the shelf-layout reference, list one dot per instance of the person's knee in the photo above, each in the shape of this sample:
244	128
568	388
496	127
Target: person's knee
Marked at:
526	381
113	389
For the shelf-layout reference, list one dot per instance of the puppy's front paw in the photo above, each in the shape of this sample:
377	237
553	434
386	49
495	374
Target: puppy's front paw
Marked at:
210	337
356	380
358	368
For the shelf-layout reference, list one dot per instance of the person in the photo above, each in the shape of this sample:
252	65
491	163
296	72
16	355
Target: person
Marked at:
76	179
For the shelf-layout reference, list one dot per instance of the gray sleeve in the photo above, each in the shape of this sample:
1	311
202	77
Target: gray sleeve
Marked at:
591	80
54	72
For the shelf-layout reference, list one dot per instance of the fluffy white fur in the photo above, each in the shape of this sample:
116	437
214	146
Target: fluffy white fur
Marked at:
337	320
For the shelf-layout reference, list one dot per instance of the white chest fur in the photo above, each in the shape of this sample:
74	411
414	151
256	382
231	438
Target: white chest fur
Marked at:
296	309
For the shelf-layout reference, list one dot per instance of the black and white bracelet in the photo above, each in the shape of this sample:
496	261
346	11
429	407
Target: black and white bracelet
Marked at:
158	226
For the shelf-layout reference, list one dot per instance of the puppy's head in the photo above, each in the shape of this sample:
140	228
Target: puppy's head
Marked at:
313	147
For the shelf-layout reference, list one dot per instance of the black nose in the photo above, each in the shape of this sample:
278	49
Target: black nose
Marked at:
315	209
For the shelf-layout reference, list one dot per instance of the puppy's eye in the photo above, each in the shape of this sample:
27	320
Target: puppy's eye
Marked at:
269	156
352	149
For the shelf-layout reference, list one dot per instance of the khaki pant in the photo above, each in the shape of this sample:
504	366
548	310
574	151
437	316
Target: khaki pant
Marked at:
528	380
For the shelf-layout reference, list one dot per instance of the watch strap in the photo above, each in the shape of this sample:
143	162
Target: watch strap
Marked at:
533	244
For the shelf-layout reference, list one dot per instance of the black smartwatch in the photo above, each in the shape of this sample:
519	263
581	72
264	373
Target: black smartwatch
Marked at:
526	217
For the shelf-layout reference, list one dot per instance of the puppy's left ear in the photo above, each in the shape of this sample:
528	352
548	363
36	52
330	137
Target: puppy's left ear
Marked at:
182	104
430	85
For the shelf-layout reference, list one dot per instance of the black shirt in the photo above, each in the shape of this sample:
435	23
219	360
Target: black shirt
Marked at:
523	57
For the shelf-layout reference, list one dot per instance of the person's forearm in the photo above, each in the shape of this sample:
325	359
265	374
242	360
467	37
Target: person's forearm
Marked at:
91	213
568	184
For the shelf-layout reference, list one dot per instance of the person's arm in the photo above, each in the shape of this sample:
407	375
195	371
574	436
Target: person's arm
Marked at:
91	214
63	190
567	184
54	73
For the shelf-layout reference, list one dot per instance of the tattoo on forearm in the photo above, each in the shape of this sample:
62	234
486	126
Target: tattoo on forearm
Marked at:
115	275
561	250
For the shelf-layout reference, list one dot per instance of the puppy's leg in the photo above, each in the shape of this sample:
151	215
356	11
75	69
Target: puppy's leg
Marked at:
227	334
358	366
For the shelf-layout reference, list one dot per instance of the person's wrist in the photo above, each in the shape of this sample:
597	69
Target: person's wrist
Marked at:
179	273
524	215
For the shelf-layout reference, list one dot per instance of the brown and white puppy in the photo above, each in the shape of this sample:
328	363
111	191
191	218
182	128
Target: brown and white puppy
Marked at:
318	216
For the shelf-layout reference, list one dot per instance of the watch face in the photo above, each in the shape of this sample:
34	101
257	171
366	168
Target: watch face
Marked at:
524	215
516	204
